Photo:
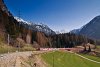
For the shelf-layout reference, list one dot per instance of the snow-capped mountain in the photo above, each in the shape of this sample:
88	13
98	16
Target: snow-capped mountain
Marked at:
21	20
91	29
35	26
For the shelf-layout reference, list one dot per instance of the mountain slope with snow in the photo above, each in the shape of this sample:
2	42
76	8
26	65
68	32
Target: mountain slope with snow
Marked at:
35	27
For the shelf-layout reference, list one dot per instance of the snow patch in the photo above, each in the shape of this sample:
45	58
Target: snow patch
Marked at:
21	20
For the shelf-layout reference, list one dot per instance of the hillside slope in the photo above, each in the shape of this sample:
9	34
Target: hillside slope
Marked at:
91	29
25	32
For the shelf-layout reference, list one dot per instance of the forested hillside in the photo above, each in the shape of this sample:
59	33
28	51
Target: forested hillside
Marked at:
30	34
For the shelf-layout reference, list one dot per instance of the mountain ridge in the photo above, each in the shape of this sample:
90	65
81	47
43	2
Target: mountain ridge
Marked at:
36	27
91	29
20	31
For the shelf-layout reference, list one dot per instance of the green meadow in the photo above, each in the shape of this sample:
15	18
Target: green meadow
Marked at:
65	59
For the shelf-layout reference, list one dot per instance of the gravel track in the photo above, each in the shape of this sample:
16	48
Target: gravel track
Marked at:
18	59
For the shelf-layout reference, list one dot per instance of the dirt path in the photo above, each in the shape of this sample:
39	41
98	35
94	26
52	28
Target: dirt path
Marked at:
21	63
18	62
39	61
21	59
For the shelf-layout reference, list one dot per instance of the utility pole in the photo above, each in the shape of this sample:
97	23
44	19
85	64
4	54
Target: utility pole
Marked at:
95	43
53	59
19	16
8	43
19	47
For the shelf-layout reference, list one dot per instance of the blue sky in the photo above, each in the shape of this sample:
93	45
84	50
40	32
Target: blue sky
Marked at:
57	14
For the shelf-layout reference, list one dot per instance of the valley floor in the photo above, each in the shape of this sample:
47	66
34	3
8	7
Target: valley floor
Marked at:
47	59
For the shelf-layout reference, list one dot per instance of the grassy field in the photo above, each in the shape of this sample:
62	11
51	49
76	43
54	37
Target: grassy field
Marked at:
4	48
91	57
64	59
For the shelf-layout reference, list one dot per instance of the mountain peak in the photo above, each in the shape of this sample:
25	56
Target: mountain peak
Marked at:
35	26
91	29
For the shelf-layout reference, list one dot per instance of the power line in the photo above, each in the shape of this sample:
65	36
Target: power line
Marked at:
19	17
53	59
19	14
